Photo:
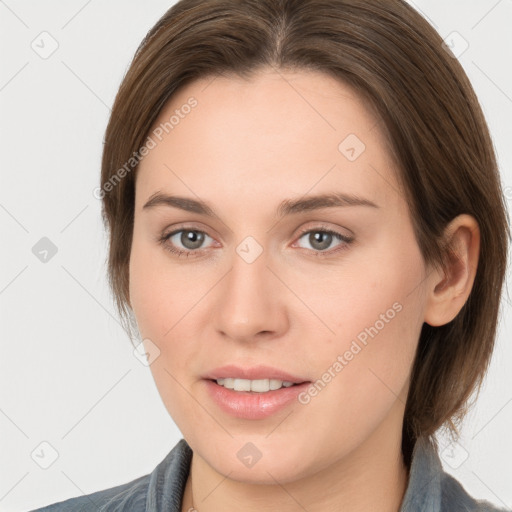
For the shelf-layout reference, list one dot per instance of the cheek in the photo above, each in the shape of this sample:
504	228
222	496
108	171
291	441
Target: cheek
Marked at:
160	292
362	380
377	345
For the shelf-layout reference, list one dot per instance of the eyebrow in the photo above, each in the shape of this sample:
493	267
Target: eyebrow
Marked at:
286	207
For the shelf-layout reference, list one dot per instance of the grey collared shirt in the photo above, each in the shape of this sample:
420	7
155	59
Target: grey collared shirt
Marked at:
429	489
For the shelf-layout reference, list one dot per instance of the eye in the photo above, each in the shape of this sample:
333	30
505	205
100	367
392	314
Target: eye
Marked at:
321	239
190	242
184	241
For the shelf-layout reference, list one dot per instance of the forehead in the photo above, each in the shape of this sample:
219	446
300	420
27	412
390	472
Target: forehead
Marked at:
276	134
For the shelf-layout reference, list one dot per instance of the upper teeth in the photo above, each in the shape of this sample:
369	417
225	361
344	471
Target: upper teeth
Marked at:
258	385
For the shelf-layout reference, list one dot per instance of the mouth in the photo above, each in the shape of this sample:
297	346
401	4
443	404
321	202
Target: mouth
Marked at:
253	393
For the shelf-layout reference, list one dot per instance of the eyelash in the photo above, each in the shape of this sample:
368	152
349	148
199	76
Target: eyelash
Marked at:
346	241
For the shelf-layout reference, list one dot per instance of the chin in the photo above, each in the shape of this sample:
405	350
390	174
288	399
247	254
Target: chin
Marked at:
259	459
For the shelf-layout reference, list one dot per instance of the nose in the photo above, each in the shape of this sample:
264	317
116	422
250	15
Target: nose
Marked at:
251	302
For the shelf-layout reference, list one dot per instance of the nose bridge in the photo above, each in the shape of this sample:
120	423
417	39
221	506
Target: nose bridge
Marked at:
250	301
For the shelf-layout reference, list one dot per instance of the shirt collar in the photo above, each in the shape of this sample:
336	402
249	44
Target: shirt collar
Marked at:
167	481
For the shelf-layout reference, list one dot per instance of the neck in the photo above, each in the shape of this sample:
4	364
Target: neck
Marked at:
371	477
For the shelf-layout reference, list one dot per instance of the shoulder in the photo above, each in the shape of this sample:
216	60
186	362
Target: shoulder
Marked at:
432	488
455	498
162	489
128	496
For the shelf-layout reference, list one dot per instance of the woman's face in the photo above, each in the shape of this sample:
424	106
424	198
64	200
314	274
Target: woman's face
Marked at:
264	289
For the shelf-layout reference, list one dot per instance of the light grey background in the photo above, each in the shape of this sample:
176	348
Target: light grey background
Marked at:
68	374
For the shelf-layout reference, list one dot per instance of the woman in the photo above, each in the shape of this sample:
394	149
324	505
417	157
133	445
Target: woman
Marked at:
308	233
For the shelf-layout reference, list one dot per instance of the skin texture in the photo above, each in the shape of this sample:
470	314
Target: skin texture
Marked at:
246	147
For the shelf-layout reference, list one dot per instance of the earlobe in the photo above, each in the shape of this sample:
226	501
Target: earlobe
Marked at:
449	287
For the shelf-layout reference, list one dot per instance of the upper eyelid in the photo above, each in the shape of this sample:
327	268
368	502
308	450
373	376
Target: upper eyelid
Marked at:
320	226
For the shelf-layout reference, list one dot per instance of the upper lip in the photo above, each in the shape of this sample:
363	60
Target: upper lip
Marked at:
252	373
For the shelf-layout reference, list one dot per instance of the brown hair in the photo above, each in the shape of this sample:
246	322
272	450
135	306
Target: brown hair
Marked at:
437	131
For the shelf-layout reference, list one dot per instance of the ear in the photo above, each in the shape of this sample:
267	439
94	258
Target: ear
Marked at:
448	288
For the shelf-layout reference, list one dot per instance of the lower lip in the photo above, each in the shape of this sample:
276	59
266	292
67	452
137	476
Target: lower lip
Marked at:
251	405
